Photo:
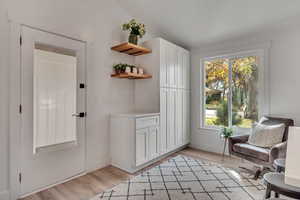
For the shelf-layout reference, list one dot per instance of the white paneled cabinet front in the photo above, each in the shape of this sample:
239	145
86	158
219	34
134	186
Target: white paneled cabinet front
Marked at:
180	68
171	117
186	70
164	65
171	64
153	143
186	116
135	140
179	117
163	120
141	146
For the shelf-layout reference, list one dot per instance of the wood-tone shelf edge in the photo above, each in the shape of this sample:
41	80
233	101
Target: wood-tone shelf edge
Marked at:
132	76
131	49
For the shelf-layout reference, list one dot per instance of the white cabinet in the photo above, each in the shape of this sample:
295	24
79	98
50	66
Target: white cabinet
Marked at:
153	143
147	144
163	120
171	114
186	69
180	68
179	117
174	66
163	66
167	93
135	140
186	116
171	65
141	146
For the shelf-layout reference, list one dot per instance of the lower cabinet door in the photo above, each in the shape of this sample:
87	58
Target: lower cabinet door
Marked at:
153	142
141	146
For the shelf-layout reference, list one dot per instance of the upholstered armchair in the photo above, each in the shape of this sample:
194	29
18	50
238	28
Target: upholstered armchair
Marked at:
239	146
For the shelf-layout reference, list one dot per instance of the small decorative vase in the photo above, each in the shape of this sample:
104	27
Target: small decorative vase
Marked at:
128	70
134	70
133	39
141	71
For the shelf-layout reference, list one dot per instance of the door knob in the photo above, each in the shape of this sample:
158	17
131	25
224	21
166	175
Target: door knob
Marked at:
82	114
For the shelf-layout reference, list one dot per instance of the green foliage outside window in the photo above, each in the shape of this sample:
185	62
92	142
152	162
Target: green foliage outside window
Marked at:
244	89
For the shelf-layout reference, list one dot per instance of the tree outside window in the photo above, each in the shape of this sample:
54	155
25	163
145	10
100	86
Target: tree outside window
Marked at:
231	91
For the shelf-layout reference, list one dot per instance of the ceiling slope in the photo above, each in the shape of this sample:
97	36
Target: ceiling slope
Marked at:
195	22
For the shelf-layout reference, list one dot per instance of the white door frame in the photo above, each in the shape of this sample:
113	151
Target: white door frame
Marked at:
15	102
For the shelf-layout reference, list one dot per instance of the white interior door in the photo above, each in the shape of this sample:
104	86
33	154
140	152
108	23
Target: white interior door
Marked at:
53	109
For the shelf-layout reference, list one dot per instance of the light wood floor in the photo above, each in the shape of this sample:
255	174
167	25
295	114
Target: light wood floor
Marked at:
89	185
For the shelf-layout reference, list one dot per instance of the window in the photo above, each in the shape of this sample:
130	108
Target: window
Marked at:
233	90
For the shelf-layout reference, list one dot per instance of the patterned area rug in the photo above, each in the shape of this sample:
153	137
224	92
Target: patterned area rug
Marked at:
185	178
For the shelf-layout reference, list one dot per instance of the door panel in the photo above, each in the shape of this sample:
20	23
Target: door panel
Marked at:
141	146
171	66
171	111
164	65
163	120
180	68
52	139
179	117
186	116
153	142
186	70
54	101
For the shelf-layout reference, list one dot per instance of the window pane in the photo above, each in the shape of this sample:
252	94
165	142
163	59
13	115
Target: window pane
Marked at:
244	91
216	90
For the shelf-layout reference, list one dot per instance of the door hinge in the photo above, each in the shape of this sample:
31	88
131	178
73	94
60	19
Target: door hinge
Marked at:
20	177
20	109
21	41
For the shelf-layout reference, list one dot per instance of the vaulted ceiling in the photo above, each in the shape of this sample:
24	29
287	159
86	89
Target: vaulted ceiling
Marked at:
195	22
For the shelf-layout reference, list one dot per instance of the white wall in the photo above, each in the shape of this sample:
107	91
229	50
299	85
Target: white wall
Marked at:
98	23
284	81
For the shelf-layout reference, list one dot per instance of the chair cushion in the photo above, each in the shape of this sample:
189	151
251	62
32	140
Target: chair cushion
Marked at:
253	151
266	135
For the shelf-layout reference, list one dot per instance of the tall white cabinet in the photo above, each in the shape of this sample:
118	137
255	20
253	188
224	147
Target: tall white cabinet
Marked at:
168	92
137	140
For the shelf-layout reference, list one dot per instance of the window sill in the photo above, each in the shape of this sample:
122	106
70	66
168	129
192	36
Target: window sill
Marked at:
236	130
209	128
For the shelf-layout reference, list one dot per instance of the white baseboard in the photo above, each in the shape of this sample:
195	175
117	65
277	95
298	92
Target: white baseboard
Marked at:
4	195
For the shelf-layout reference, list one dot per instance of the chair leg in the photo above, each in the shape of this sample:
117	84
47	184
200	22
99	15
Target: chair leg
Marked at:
268	192
257	174
261	172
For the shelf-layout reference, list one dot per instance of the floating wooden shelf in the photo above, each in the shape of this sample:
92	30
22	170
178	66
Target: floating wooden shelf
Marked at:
131	49
131	76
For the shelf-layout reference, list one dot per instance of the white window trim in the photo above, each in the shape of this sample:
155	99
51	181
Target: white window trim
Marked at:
263	91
